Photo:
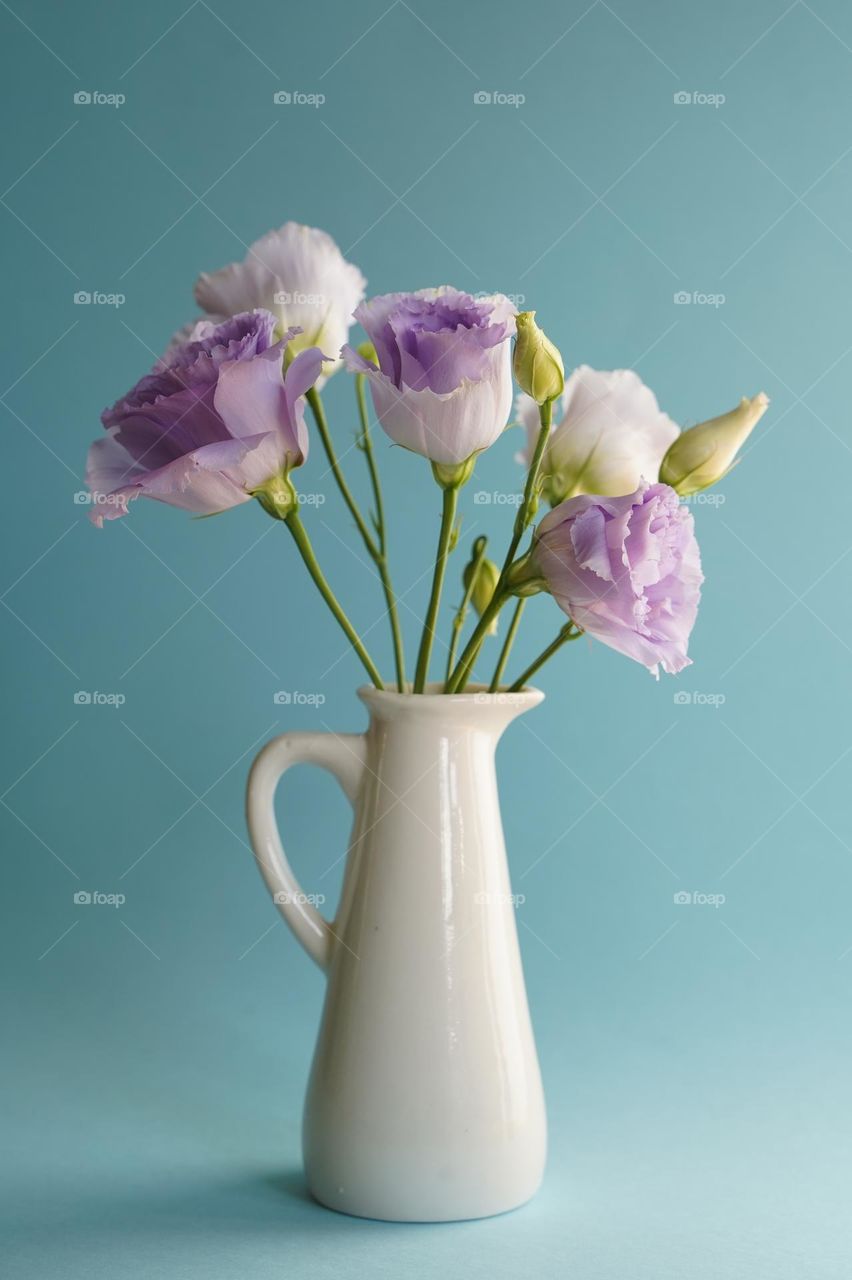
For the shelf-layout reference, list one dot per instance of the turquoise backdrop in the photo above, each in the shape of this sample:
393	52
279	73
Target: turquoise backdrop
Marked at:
695	1055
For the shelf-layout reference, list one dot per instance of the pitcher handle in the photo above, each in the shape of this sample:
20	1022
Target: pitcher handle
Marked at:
342	755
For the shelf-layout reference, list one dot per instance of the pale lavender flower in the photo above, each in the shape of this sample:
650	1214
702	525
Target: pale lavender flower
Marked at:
443	386
627	570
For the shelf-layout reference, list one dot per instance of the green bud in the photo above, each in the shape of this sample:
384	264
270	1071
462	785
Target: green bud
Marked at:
704	454
525	578
484	584
277	497
368	352
538	365
452	475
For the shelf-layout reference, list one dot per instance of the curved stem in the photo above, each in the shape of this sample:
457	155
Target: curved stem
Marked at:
461	613
461	675
448	516
366	443
568	632
303	542
507	647
318	411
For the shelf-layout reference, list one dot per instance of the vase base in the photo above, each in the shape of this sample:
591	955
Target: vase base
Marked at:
355	1206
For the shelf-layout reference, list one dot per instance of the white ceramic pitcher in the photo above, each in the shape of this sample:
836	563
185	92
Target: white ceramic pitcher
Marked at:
425	1100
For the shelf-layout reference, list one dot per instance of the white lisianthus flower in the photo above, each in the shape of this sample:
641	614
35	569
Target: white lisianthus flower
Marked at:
299	274
609	433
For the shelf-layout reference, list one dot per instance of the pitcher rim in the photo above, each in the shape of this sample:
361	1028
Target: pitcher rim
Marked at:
433	698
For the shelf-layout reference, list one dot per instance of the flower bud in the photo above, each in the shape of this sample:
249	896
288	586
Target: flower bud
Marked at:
704	454
484	584
537	363
368	352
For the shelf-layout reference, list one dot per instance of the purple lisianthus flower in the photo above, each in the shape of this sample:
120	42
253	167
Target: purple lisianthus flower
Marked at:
214	420
443	385
627	570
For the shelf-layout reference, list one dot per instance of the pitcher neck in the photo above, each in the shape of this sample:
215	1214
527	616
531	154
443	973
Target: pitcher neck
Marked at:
434	712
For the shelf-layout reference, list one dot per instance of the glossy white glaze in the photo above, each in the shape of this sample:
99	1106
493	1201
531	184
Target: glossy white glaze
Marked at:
425	1101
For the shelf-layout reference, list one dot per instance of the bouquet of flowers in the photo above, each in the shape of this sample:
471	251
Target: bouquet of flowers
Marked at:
220	420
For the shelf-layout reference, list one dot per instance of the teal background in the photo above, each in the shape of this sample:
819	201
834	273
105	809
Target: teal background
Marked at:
696	1058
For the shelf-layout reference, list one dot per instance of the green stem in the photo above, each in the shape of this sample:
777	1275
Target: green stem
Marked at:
303	542
366	443
448	517
318	411
458	621
568	632
507	647
461	675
